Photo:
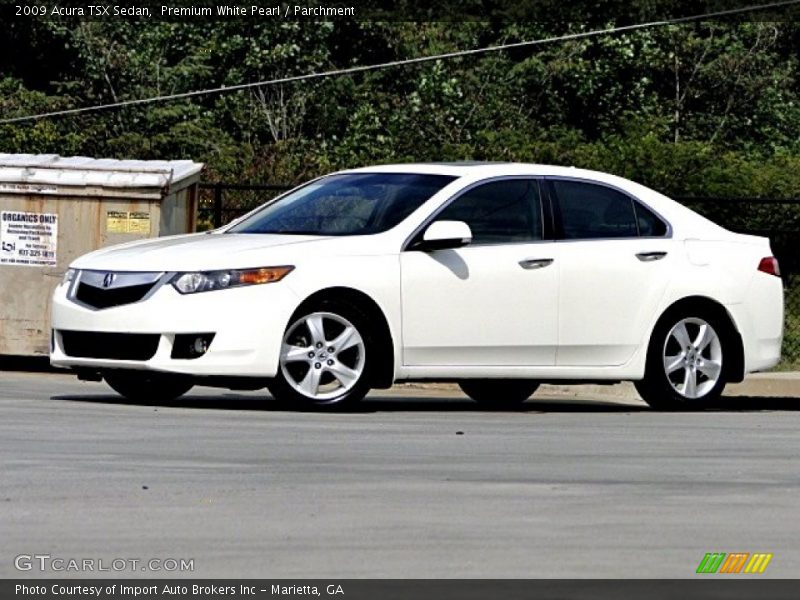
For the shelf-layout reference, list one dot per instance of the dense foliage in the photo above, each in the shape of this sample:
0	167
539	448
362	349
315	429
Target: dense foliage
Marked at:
701	109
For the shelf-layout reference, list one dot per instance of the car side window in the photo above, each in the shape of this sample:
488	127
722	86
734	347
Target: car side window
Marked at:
590	211
649	224
499	212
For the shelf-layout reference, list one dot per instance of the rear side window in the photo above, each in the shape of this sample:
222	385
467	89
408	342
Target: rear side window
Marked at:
590	211
649	224
499	212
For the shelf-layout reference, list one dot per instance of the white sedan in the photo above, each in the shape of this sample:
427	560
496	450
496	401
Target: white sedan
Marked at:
495	276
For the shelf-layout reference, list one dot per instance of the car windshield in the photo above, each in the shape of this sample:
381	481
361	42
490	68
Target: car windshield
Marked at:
349	204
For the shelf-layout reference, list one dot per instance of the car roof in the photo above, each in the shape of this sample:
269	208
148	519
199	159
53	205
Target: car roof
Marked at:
458	169
489	169
480	170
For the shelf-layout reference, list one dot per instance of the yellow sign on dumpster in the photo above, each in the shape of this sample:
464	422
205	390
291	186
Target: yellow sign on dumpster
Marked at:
127	222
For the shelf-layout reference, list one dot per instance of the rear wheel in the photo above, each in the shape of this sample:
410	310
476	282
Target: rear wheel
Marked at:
143	386
325	358
685	361
498	393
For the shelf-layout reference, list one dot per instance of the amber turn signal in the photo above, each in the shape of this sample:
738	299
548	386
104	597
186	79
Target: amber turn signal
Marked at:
264	275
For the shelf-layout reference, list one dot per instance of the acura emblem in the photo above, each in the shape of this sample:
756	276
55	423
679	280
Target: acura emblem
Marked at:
108	280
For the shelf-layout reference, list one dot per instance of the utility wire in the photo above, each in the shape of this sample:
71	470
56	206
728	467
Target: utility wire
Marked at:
399	63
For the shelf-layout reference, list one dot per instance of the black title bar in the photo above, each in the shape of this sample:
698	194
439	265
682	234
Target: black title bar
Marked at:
707	586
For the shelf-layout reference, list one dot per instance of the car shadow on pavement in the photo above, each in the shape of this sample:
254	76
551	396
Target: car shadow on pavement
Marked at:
374	404
223	401
439	404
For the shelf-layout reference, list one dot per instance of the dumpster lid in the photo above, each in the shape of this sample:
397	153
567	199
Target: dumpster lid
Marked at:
52	169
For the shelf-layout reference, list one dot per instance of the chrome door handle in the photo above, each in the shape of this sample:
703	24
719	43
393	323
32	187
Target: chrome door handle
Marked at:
535	263
650	256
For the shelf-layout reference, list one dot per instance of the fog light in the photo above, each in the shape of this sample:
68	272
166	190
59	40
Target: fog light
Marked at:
191	345
200	345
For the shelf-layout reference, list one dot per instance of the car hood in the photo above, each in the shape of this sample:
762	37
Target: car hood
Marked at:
200	252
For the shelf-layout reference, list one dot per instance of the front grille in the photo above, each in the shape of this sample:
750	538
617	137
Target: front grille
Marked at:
104	289
113	346
106	298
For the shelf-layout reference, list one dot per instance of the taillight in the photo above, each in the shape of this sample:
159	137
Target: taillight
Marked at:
769	265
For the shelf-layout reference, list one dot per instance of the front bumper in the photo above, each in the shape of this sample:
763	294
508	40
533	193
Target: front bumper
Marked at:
247	323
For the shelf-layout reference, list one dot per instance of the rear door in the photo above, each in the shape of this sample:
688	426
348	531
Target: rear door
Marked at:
615	260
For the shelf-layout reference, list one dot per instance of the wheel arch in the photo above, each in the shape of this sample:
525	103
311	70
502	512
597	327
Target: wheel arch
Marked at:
383	376
734	366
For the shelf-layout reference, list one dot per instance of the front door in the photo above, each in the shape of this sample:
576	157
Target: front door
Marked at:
493	302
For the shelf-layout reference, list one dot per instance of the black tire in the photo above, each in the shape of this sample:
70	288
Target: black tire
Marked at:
499	394
660	390
143	386
287	394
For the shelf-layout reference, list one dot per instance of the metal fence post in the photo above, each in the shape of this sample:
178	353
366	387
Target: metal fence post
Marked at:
217	205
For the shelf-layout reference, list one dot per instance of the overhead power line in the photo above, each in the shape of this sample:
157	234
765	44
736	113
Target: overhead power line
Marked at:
404	62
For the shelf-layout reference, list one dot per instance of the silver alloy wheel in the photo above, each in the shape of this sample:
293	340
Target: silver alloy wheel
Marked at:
692	357
322	356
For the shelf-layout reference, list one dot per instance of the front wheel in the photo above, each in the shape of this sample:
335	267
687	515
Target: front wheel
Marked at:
498	393
685	362
325	358
142	386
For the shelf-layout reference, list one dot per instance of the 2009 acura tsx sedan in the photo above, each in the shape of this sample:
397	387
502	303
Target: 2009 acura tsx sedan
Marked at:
495	276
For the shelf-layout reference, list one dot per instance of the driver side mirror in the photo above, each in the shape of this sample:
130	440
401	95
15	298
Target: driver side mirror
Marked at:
441	235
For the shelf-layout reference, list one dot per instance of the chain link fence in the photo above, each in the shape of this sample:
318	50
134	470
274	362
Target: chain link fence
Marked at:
777	219
220	203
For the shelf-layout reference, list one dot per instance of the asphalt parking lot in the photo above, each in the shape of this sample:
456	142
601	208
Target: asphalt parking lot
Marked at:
419	484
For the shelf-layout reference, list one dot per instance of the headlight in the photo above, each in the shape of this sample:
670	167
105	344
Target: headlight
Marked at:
191	283
69	276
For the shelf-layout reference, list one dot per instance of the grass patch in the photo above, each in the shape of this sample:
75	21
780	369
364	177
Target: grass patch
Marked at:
790	353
